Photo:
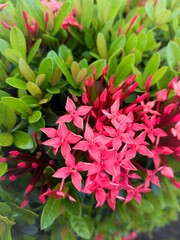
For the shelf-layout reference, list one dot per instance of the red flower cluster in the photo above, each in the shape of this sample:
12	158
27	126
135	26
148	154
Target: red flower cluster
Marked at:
115	140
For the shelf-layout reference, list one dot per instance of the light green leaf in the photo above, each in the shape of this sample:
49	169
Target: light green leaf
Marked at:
4	45
173	54
64	11
26	71
34	90
99	66
23	140
50	212
163	17
116	46
5	228
6	139
11	116
13	55
151	66
3	170
150	11
124	68
62	65
17	104
87	13
18	41
101	45
80	226
34	117
157	76
34	50
16	82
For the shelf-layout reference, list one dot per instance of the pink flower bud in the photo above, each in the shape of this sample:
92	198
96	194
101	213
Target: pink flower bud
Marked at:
167	172
161	95
22	165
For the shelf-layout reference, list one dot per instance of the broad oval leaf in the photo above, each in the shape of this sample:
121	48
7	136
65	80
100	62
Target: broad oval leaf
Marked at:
18	41
72	208
34	90
26	71
101	45
35	116
173	54
80	226
50	212
13	55
17	104
16	82
23	140
6	139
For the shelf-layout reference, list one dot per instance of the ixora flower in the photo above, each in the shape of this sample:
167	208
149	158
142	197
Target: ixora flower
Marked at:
21	164
114	142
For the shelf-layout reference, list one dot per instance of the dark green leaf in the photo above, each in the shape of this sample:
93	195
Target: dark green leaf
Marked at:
80	226
23	140
50	212
16	82
18	41
72	208
34	50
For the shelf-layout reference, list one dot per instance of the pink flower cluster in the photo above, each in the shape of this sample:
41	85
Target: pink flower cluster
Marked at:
114	142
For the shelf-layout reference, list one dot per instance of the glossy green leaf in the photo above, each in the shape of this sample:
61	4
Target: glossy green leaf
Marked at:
26	71
62	65
27	215
35	10
6	139
101	45
64	11
151	66
3	170
80	226
34	90
18	41
13	55
34	117
4	45
72	208
157	76
150	11
11	116
16	82
124	68
46	67
116	46
173	54
23	140
17	104
33	51
50	212
53	90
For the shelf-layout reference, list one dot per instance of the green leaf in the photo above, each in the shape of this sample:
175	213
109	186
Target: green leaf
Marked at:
114	9
62	65
26	71
16	82
157	76
34	8
17	104
27	215
80	226
2	112
6	139
64	12
170	188
116	46
34	50
131	43
11	116
72	208
151	66
23	140
4	208
150	11
101	45
53	90
18	41
35	116
13	55
99	66
124	68
87	13
163	17
4	45
173	54
5	228
34	90
67	234
3	170
50	212
46	67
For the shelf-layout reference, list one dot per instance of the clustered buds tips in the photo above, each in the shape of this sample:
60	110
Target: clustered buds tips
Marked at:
111	137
